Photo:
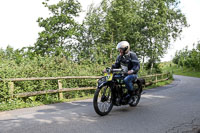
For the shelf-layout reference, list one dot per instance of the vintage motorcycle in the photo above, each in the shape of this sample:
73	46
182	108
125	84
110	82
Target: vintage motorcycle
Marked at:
111	91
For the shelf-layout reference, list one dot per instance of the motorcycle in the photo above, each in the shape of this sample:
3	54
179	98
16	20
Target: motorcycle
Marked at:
111	91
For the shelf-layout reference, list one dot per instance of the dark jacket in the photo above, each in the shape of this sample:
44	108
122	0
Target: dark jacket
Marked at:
130	60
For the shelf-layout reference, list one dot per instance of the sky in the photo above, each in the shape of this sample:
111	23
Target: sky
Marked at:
191	34
18	26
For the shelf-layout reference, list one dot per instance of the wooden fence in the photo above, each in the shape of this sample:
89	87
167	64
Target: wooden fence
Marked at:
60	89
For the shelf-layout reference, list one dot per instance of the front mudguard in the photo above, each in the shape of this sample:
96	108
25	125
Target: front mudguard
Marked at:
102	84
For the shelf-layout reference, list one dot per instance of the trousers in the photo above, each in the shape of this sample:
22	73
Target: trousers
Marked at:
128	81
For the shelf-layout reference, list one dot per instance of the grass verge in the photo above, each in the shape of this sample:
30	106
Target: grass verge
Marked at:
171	67
159	84
187	72
18	103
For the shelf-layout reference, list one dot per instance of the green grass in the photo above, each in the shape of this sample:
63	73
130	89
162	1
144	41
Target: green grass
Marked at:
180	70
11	105
163	83
18	103
186	72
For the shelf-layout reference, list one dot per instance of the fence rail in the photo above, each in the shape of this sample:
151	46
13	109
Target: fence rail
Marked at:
60	89
51	78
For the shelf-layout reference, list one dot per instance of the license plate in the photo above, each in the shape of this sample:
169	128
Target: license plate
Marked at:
108	76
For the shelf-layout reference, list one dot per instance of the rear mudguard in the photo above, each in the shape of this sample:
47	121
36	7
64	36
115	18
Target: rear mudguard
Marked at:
141	83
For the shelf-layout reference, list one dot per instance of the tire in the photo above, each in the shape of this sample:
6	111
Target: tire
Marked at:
102	100
137	87
136	100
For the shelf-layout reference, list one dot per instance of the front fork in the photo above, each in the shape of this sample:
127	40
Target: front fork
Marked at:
106	92
105	97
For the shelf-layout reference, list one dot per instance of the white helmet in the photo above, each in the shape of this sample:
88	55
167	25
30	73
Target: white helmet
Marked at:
124	45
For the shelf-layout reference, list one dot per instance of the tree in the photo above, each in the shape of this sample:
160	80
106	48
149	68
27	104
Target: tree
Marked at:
59	29
188	58
163	21
176	58
148	25
105	26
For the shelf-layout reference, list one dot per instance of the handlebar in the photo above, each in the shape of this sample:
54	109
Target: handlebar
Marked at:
110	70
117	70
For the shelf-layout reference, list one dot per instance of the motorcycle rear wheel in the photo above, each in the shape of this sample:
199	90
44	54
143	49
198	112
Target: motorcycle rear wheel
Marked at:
136	100
102	101
137	96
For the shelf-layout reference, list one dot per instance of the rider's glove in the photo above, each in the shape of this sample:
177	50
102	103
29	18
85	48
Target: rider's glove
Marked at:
130	72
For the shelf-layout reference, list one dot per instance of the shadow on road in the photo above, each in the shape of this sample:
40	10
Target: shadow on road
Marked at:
61	117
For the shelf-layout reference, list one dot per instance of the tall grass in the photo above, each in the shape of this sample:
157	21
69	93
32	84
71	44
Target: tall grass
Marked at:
179	70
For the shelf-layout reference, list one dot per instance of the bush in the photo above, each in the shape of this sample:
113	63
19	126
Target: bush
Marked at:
45	67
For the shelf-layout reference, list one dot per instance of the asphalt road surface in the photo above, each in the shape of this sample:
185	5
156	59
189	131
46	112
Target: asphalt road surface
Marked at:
174	108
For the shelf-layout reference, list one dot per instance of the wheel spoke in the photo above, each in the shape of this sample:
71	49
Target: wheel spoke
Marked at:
107	106
135	99
105	102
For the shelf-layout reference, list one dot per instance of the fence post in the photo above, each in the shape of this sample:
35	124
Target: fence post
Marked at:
59	88
168	75
156	79
11	89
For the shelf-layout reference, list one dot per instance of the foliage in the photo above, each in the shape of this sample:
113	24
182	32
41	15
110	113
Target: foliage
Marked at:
188	58
38	66
65	48
156	69
59	29
44	67
175	69
149	26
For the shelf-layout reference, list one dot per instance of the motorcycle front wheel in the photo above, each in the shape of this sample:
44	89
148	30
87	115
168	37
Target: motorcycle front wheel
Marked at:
102	100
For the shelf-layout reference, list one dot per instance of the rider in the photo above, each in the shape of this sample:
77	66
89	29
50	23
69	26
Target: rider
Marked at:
129	62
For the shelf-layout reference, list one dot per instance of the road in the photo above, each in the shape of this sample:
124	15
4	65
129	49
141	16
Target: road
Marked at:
174	108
